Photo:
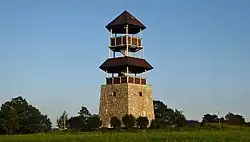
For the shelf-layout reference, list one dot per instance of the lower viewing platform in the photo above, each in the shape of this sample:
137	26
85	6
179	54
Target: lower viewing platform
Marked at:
126	79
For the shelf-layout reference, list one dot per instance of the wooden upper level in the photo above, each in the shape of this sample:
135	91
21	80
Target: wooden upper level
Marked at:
126	79
120	43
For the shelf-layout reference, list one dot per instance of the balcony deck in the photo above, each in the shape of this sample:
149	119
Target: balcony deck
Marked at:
120	43
125	79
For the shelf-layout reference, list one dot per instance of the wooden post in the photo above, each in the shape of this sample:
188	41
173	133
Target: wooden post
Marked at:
110	42
106	76
142	45
127	73
115	39
126	40
145	74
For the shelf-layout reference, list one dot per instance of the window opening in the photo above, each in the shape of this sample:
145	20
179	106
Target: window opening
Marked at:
140	93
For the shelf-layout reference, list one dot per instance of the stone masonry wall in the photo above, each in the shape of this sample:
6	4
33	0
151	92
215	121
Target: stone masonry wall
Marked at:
127	99
140	101
111	105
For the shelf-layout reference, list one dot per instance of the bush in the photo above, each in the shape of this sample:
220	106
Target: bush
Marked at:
142	122
154	124
115	122
94	122
128	120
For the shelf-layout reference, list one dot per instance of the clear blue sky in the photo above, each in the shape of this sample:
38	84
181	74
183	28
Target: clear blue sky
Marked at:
50	51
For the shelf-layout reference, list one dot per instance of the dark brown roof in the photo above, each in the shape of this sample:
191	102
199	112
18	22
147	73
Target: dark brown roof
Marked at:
136	65
118	24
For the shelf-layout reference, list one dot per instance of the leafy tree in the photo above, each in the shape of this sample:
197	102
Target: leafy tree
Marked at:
76	123
170	116
179	119
84	112
45	124
62	121
115	122
161	113
235	119
94	122
160	110
155	124
1	124
20	117
193	123
142	122
80	122
248	124
222	120
128	120
167	116
208	118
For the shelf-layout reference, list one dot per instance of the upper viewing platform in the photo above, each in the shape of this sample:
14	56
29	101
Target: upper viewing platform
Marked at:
124	39
118	25
121	42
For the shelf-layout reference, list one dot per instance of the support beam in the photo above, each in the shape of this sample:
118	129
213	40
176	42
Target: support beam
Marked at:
127	73
110	42
108	53
106	76
126	40
142	44
142	53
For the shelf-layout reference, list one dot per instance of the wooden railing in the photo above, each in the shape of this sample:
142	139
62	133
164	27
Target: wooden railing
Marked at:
126	79
121	41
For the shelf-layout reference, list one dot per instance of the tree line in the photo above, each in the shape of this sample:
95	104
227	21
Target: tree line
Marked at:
19	117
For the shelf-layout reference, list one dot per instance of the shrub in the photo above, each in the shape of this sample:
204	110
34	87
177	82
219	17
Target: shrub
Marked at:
115	122
94	122
142	122
154	124
128	120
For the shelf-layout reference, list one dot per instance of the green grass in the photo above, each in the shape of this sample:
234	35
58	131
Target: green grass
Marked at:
153	136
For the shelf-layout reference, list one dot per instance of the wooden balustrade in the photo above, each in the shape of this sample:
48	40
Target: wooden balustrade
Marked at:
121	41
126	79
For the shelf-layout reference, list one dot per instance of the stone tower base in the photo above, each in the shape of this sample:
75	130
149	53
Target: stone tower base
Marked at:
126	98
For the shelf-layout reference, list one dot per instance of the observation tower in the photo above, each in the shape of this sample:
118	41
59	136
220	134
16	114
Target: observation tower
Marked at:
126	91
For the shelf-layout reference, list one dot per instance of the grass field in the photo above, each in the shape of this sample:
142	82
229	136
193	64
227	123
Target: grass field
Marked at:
153	136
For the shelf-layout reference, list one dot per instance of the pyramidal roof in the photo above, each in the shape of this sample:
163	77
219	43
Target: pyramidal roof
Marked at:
115	65
125	18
